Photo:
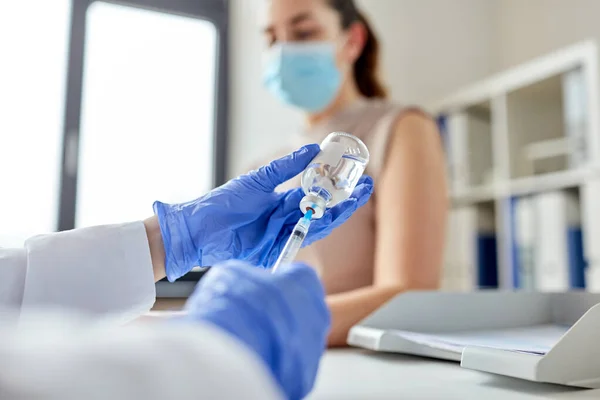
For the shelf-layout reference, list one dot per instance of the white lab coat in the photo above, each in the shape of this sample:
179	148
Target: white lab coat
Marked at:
107	272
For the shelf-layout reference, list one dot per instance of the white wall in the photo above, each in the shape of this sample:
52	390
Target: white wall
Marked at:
258	124
528	29
430	48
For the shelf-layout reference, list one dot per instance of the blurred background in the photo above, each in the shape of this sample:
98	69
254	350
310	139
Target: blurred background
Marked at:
108	106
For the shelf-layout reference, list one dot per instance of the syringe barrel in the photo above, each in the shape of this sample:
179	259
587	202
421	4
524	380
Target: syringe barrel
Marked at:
294	243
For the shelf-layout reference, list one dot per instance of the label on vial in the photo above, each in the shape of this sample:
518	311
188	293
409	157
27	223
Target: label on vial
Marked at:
331	154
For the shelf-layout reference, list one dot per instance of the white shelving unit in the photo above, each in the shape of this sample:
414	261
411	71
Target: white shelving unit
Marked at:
528	130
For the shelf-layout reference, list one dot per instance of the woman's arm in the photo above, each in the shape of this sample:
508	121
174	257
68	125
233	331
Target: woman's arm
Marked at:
411	198
157	247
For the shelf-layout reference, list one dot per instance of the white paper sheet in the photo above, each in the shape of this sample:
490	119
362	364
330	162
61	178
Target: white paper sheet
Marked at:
535	339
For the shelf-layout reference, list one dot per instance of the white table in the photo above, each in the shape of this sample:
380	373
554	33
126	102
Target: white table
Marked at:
355	374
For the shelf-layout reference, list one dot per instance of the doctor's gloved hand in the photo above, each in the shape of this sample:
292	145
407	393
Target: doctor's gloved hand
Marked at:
245	219
282	317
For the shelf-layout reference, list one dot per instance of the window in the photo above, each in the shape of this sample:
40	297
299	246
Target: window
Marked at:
147	112
106	106
34	49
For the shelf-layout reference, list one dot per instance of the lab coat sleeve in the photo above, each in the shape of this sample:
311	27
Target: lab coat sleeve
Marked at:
176	361
103	270
13	264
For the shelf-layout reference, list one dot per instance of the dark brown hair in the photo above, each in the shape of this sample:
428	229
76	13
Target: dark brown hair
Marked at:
366	67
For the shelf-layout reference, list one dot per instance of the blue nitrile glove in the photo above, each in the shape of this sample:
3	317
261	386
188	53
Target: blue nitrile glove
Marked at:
282	317
245	219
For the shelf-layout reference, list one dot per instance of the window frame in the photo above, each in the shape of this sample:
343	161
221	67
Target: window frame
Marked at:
214	11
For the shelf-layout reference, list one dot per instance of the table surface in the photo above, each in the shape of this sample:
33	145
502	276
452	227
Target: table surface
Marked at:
357	374
353	374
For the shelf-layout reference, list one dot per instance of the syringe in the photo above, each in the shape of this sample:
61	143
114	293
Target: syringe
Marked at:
295	241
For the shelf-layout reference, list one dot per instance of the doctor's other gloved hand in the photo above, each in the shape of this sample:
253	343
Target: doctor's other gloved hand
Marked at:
245	219
282	317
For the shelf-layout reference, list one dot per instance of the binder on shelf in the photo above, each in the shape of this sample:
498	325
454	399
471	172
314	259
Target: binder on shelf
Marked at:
457	126
487	260
590	215
508	238
592	277
486	251
541	337
459	257
575	116
471	250
577	263
442	123
523	246
559	262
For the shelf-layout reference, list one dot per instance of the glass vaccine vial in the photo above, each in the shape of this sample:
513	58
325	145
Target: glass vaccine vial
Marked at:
333	174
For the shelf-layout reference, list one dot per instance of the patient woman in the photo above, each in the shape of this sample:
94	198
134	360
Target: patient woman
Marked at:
324	60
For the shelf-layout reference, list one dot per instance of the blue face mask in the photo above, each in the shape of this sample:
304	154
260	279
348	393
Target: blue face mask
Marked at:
304	75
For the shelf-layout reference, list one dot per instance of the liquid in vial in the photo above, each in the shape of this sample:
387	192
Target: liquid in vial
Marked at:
333	174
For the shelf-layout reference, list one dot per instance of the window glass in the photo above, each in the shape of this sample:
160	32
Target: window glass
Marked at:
147	112
34	40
